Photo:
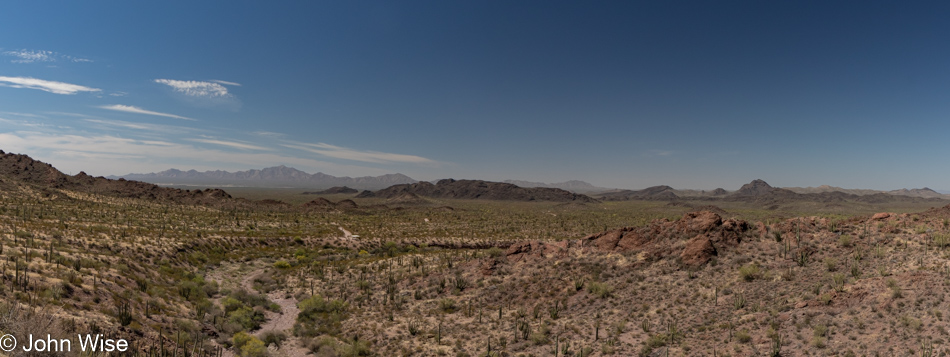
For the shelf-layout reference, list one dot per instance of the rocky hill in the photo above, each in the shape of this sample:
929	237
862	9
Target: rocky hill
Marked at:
478	189
919	192
914	192
334	190
655	193
25	170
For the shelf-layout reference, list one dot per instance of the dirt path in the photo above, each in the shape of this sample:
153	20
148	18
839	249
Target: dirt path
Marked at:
346	234
281	322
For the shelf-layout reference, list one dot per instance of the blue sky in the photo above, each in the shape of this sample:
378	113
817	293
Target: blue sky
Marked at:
692	94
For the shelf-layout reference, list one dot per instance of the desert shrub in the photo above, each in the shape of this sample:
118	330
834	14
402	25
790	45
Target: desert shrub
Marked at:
240	339
750	272
323	346
942	240
318	316
743	336
230	304
845	241
831	264
355	348
495	252
281	264
600	290
266	282
254	300
447	305
652	342
275	338
247	318
254	348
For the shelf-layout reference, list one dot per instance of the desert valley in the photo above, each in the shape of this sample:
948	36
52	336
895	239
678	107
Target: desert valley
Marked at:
473	268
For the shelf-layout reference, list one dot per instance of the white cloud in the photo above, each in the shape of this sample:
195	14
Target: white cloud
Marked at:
232	144
196	88
226	83
44	85
31	56
359	155
28	56
137	110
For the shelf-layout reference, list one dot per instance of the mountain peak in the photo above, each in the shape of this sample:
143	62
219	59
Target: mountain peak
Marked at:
755	188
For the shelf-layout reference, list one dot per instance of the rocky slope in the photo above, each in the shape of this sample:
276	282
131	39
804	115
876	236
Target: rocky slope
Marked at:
24	169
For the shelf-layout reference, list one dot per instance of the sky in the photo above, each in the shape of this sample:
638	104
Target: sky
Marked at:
628	94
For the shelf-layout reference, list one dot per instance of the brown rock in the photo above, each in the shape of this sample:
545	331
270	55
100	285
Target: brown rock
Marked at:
880	216
762	229
701	221
488	266
607	241
732	231
519	251
698	251
632	241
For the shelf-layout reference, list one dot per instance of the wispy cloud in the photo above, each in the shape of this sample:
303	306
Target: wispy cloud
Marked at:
268	134
44	85
137	110
31	56
75	152
158	128
233	144
197	88
28	56
659	153
358	155
226	83
27	115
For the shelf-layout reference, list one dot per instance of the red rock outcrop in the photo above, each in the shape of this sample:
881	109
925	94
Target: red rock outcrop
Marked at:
705	231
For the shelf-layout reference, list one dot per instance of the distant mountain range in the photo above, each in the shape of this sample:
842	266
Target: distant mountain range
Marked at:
572	185
760	191
914	192
278	176
283	176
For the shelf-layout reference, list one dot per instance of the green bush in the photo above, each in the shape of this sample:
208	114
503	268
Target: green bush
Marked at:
247	318
240	339
281	264
254	348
